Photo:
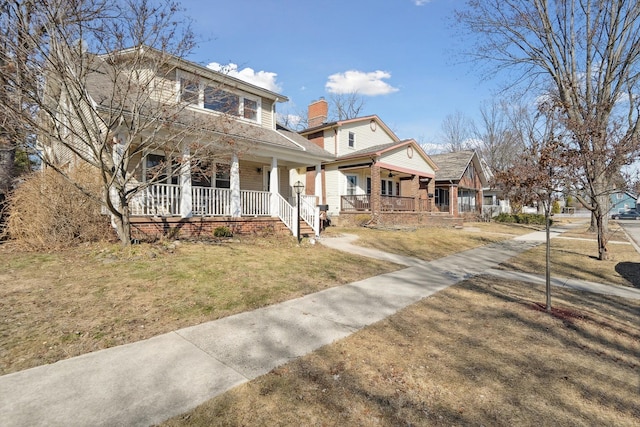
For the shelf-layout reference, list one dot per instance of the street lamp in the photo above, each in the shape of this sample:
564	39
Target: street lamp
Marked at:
298	187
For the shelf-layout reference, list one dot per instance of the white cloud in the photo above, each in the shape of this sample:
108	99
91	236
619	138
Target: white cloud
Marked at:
421	2
351	81
264	79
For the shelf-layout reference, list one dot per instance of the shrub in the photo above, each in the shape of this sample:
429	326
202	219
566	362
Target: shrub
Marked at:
47	212
505	217
556	208
222	231
521	218
569	201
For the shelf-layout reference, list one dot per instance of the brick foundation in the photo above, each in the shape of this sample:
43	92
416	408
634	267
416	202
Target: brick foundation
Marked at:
153	228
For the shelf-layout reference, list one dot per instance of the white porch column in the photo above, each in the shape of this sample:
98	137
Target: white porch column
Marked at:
186	198
318	184
234	183
274	186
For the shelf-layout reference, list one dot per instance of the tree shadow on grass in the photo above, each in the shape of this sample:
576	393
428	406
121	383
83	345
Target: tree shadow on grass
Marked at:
630	271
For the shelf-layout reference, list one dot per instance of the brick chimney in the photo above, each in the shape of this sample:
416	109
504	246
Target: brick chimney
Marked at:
318	111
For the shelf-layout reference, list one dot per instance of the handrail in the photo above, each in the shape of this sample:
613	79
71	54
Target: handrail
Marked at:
286	212
309	212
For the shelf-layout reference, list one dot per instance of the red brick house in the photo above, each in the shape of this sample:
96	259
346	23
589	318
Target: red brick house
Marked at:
459	182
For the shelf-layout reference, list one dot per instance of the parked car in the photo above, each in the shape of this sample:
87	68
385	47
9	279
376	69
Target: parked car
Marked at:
630	214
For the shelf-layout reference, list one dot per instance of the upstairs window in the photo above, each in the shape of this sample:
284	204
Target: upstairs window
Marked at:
216	98
352	140
220	100
189	91
250	109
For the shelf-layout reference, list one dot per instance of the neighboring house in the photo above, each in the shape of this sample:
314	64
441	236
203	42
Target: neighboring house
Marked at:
459	183
623	201
247	188
493	201
373	173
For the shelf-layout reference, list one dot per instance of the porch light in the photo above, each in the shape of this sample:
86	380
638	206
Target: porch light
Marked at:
298	187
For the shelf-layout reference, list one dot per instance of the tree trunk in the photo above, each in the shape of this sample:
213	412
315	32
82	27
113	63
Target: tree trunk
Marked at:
121	223
593	228
603	253
548	260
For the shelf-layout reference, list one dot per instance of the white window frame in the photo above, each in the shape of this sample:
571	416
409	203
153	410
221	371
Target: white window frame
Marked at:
351	140
184	76
386	184
348	185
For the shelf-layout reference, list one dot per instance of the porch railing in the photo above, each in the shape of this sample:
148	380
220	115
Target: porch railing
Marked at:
355	202
398	203
164	200
159	199
209	201
309	212
255	203
286	212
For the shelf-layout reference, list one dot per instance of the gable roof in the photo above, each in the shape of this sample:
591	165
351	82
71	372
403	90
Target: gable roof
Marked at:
200	70
304	143
378	150
453	165
340	123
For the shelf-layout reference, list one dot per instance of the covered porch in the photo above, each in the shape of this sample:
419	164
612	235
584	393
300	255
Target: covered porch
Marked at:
385	189
255	187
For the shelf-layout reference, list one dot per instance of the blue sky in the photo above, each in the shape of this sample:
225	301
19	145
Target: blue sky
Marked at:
403	56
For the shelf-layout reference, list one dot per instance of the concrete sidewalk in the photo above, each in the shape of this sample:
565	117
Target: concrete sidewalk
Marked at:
149	381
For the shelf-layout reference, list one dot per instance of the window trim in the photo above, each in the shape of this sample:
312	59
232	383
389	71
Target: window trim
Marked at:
354	185
351	141
182	76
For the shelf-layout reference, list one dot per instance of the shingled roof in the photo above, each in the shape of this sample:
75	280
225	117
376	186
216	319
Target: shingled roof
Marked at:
451	166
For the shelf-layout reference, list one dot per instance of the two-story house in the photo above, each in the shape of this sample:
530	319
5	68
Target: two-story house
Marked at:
230	164
373	173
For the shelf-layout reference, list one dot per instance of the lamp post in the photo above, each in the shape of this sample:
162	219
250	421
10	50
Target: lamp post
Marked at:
298	187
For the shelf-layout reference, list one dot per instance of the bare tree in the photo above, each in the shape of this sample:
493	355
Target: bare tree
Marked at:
538	173
345	106
500	140
95	81
457	132
587	52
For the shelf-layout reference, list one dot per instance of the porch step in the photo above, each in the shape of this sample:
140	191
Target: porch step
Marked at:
306	231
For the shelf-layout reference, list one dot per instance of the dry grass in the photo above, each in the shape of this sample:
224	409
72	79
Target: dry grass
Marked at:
576	259
479	353
433	243
62	304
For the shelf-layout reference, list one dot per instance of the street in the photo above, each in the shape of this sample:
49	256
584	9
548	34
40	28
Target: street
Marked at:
632	228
